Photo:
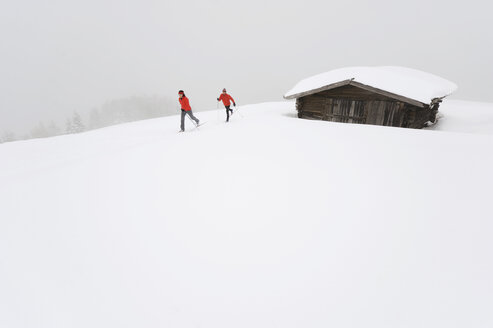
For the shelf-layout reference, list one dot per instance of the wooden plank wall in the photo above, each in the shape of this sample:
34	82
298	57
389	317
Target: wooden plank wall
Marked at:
349	104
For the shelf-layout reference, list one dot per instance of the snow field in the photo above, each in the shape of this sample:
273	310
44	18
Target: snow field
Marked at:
267	221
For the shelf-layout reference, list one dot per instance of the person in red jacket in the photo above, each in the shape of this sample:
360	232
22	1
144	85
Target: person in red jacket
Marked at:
225	98
185	110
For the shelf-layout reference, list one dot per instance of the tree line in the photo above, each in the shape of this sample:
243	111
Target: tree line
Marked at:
112	112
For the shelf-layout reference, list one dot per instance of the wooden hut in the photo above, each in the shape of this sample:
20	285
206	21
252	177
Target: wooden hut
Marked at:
390	96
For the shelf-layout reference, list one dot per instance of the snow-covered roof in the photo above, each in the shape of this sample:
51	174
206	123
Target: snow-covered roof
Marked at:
401	81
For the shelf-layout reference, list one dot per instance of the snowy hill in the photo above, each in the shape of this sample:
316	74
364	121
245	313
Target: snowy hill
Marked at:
267	221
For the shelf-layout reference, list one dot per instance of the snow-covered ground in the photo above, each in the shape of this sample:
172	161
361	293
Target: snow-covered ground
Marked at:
267	221
466	116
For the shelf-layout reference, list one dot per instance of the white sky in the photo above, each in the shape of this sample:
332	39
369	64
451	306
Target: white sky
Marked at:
59	56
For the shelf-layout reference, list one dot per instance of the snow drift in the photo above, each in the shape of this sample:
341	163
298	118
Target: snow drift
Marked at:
267	221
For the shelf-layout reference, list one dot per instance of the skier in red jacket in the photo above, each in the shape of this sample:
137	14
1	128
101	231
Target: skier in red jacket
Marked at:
185	110
225	98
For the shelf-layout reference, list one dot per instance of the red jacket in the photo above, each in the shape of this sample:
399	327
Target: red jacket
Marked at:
185	105
226	99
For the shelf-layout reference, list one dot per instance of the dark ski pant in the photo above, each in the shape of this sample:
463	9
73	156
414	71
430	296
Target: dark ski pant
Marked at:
190	114
228	109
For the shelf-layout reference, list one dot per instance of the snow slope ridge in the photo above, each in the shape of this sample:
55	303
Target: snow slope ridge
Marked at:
267	221
407	82
465	116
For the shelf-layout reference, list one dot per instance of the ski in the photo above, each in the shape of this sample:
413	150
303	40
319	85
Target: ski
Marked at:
194	128
200	124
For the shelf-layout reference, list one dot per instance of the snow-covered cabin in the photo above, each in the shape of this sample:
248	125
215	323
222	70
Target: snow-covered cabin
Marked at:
385	95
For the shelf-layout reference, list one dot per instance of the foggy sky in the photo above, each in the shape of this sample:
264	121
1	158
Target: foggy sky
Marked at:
58	56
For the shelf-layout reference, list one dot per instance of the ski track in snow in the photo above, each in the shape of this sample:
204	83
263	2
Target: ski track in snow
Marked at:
266	221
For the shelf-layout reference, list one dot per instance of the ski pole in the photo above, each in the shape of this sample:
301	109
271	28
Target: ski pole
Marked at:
189	118
217	111
193	122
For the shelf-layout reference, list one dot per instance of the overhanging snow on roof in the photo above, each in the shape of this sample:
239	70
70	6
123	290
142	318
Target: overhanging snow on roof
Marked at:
398	82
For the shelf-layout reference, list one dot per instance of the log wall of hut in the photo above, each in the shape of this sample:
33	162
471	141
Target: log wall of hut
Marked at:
350	104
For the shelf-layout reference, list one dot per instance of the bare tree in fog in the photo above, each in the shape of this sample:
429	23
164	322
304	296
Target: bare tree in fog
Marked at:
7	136
74	125
53	129
95	120
39	131
112	112
131	109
